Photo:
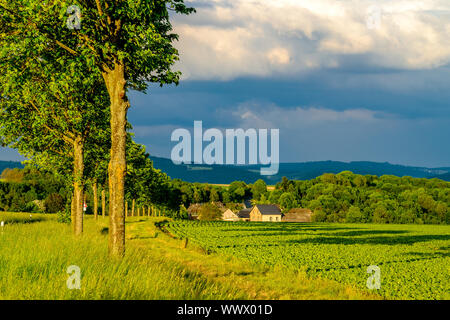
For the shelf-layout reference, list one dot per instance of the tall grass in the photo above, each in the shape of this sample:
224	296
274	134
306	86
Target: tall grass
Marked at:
34	258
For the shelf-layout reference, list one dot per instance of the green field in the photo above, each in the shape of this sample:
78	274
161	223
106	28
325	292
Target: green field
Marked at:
35	254
414	260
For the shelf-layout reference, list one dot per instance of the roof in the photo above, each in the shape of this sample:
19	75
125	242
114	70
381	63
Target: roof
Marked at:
298	215
300	210
226	210
268	209
194	208
247	204
244	213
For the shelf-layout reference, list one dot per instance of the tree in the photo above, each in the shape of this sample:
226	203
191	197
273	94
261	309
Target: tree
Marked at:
287	201
259	189
128	43
49	113
275	195
237	191
214	195
209	212
354	215
319	216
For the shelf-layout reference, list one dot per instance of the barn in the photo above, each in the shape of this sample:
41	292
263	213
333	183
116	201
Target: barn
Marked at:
229	215
193	210
297	215
266	213
244	214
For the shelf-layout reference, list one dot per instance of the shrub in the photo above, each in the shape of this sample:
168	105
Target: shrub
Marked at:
64	216
319	216
31	207
54	203
209	212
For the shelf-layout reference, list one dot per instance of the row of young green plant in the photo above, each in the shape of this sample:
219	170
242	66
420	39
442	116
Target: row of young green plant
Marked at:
413	259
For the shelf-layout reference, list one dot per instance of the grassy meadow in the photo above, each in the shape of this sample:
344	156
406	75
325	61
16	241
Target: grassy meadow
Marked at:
35	254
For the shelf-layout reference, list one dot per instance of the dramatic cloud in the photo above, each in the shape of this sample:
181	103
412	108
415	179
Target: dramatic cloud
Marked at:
232	38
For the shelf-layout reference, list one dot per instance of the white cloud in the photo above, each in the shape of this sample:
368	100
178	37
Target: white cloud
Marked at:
231	38
255	115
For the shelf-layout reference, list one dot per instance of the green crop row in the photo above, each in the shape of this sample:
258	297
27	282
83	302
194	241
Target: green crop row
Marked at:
413	260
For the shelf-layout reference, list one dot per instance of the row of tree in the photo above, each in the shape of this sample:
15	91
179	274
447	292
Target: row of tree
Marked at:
63	91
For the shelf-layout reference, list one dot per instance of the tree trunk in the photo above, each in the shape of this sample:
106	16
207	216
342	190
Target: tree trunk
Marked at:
115	84
103	202
132	208
95	191
77	205
126	208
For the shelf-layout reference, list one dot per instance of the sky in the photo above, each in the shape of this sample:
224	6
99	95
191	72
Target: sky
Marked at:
344	80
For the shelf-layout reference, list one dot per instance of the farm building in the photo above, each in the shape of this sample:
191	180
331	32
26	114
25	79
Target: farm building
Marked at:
193	210
297	215
229	215
266	213
244	214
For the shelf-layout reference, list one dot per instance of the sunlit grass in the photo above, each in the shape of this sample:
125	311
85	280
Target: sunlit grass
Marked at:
34	259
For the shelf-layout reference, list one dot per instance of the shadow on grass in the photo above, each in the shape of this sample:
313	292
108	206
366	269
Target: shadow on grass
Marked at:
362	233
282	228
372	240
24	221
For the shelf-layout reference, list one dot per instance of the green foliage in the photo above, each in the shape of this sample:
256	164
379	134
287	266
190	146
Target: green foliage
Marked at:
64	216
259	189
386	199
354	215
183	214
319	216
54	203
209	212
28	193
287	201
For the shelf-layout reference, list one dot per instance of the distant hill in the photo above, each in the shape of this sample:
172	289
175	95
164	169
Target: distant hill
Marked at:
226	174
445	176
9	164
217	174
298	171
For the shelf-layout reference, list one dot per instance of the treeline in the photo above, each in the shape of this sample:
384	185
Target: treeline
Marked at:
187	193
31	190
349	197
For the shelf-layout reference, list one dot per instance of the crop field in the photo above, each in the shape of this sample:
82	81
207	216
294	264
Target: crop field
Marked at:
413	260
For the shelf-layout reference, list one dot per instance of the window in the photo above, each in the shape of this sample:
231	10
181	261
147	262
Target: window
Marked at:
271	219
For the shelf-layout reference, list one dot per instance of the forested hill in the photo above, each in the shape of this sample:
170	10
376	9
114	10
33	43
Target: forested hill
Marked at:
293	171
